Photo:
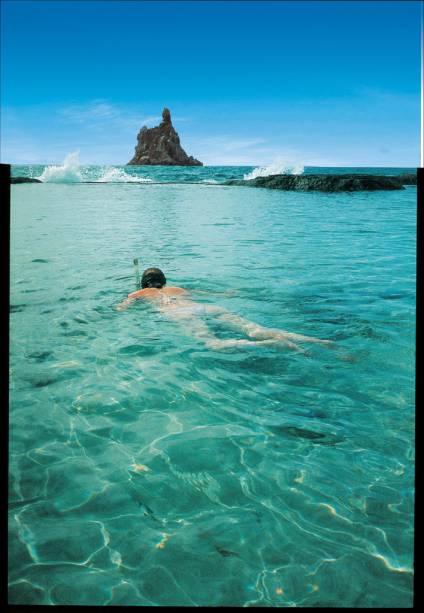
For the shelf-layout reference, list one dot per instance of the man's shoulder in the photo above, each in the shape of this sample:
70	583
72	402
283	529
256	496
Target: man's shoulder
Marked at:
174	291
153	292
140	293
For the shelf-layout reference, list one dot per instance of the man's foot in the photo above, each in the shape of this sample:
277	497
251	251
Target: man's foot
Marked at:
233	342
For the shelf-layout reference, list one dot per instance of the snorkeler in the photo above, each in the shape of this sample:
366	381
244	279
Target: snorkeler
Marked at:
176	303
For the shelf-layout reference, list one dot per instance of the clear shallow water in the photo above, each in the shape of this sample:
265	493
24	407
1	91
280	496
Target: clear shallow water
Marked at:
147	469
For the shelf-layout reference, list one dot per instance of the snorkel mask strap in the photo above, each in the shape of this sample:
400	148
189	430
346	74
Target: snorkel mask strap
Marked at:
137	274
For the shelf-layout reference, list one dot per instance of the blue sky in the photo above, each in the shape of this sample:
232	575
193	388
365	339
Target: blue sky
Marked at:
320	83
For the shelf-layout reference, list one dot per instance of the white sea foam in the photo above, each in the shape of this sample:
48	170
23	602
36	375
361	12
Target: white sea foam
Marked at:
279	167
69	172
117	175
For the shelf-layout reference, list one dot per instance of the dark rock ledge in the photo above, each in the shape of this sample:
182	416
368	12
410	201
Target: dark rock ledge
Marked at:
408	178
24	180
329	182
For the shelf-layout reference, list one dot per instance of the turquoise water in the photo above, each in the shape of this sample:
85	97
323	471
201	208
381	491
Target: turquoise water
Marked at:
148	469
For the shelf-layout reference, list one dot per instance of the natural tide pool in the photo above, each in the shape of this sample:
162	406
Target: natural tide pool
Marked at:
147	469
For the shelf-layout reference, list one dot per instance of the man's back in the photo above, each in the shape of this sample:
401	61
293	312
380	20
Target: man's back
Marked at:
153	293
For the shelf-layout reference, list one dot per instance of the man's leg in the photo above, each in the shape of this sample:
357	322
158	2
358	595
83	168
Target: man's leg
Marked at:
256	331
259	334
202	332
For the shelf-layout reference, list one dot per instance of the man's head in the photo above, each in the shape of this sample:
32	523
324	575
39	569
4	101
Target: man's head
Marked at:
153	277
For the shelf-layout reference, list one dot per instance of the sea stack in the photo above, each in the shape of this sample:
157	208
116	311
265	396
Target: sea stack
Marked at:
160	146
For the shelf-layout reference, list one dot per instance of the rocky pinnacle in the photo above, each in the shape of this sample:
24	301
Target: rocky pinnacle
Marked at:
160	146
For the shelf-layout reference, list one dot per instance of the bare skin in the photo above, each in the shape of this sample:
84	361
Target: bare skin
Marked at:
177	304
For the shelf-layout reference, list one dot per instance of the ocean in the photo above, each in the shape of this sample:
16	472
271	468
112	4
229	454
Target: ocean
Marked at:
147	468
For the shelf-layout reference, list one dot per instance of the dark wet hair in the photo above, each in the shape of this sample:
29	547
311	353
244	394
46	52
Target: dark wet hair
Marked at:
153	277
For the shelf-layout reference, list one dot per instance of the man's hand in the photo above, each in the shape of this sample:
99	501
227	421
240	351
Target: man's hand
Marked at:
124	304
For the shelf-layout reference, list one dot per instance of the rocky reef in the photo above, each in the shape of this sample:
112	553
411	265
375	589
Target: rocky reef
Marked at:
328	182
160	146
24	180
408	178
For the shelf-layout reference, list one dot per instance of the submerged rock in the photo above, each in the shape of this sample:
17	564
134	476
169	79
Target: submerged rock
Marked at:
160	146
323	182
24	180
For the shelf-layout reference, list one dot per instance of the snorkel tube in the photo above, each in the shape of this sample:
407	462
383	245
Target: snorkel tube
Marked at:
137	274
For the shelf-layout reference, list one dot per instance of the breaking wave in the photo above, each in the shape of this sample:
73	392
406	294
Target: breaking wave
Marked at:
279	167
117	175
71	171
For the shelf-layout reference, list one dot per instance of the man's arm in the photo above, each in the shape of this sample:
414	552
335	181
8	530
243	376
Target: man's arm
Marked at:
140	293
124	304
